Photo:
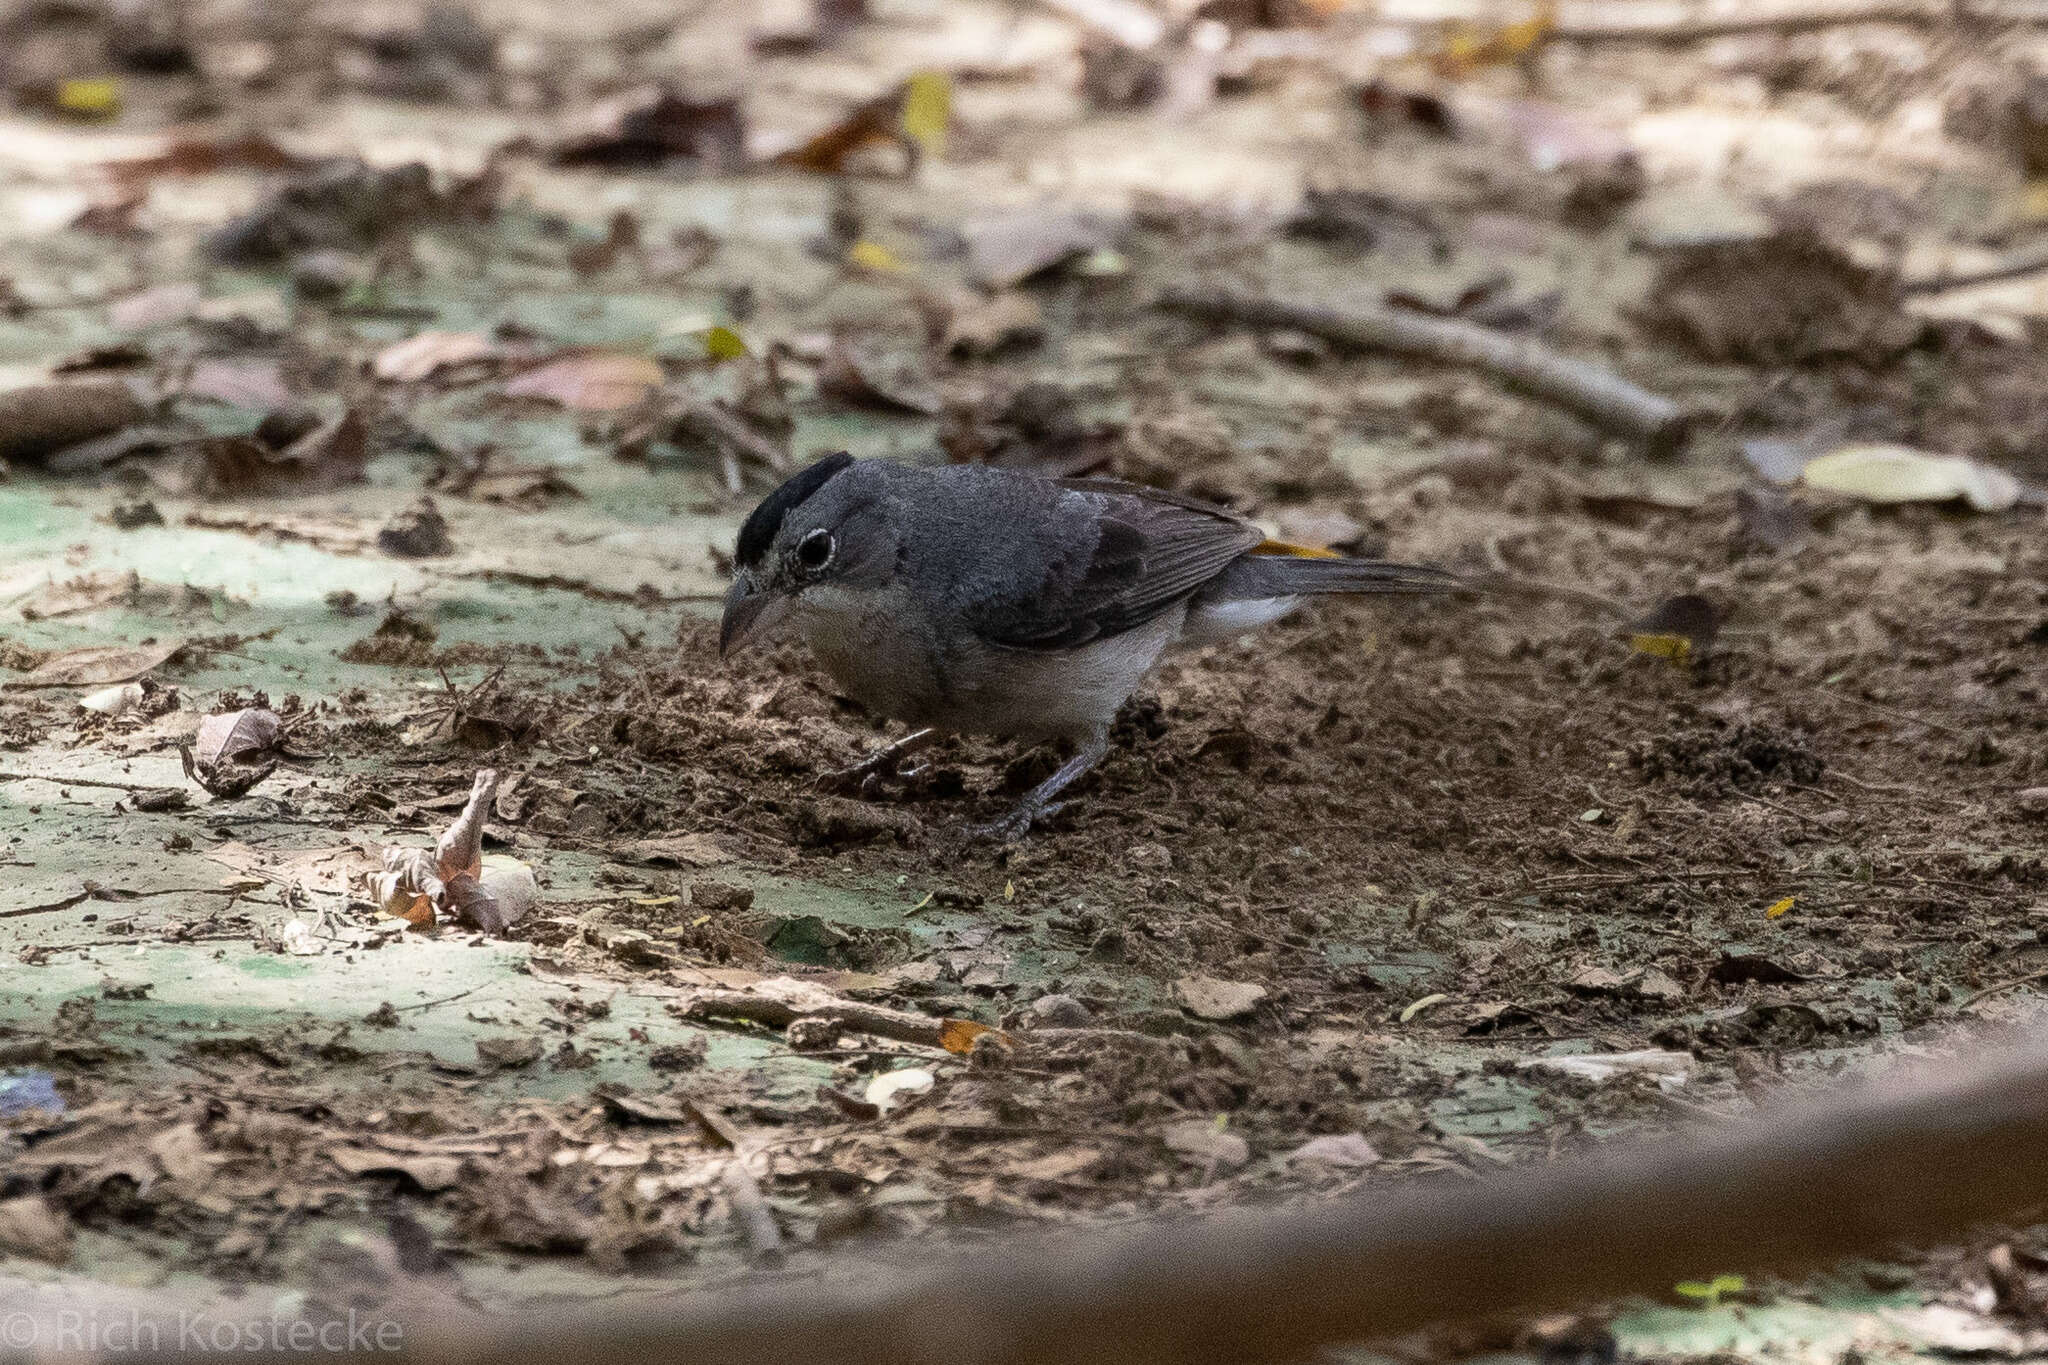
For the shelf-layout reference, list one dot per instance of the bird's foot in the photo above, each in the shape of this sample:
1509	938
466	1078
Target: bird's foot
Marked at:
1009	828
867	778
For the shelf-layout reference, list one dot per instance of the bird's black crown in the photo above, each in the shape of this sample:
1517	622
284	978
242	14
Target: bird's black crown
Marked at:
757	533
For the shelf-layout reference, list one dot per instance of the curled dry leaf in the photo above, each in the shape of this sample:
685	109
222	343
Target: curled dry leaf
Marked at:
236	736
590	381
419	358
234	751
456	879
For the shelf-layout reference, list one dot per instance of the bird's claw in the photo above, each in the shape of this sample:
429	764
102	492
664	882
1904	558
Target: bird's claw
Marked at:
864	779
1009	828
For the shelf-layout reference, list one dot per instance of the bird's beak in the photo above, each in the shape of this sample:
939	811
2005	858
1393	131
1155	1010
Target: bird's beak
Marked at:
748	608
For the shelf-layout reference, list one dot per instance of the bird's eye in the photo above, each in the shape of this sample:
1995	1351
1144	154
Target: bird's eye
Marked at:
814	551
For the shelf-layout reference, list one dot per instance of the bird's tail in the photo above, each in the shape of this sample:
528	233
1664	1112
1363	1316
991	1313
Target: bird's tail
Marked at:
1288	572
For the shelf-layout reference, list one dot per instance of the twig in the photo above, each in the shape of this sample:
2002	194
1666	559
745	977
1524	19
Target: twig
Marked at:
751	1211
82	782
2002	987
728	433
2026	260
1596	394
1652	21
776	1012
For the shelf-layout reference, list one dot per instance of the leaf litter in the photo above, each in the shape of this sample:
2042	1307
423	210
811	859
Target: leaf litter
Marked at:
1303	827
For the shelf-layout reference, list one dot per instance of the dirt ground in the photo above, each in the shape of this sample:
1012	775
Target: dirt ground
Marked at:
1730	780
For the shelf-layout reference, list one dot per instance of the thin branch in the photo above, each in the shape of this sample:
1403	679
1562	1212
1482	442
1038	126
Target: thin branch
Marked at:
1597	394
1810	1183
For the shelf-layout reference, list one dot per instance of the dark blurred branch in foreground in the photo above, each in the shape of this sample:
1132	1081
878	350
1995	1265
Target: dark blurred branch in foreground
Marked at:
1921	1158
1686	21
1598	395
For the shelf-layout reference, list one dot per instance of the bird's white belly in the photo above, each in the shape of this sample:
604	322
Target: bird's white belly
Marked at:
874	650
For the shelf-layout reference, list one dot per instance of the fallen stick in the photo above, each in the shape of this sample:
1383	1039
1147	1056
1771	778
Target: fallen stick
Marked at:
2026	260
1817	1180
1598	395
1679	21
781	1001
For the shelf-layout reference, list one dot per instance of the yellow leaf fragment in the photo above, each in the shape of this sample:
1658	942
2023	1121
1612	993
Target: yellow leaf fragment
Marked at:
99	97
723	343
1676	648
866	255
927	110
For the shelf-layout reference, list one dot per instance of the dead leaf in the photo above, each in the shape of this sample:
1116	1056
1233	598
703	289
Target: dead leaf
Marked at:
332	455
1006	249
431	1173
1891	473
508	1052
92	665
420	358
457	880
1206	1144
590	381
235	735
1670	1069
652	126
255	384
861	377
959	1035
206	156
30	1227
1207	997
41	418
976	328
162	306
234	751
1339	1151
876	123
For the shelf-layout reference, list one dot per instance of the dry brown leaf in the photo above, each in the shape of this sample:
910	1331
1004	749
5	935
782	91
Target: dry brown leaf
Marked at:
256	384
651	125
333	454
419	358
206	156
40	418
94	665
860	377
958	1035
235	736
590	381
234	751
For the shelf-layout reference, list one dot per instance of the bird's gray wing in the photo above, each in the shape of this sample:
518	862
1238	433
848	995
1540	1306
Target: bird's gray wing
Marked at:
1151	550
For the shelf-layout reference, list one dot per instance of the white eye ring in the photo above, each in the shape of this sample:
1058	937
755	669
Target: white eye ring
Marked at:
815	550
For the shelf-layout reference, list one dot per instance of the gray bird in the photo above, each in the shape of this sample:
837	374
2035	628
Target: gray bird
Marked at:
968	599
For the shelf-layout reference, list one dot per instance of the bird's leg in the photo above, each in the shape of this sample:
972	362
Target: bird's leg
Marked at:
1038	803
878	767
